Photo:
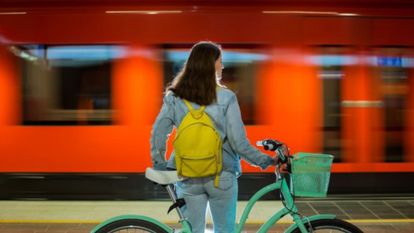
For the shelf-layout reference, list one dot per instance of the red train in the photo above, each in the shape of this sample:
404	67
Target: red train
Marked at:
81	81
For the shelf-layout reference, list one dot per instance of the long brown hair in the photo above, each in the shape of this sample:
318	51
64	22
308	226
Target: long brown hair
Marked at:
197	80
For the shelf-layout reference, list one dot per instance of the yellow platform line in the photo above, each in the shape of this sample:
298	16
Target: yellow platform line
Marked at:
46	221
255	222
402	220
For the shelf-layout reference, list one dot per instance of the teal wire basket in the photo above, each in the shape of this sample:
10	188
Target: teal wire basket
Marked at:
310	174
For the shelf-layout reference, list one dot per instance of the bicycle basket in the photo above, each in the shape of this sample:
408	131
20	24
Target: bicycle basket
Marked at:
310	174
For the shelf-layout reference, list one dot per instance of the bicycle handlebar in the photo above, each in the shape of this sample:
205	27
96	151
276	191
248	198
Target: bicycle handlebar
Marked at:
273	145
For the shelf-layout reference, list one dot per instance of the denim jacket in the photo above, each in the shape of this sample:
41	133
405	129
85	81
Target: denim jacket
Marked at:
225	113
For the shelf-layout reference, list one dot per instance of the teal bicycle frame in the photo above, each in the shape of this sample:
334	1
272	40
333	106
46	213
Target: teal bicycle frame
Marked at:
289	208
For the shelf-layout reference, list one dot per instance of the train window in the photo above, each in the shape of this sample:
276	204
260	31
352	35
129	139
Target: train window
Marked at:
392	67
240	70
65	84
331	61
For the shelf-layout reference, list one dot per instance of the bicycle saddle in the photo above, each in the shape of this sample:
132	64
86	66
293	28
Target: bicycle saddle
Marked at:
162	177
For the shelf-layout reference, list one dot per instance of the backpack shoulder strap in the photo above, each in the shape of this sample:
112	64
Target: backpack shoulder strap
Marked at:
197	113
188	104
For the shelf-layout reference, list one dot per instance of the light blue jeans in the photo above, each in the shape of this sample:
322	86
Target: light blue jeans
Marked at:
197	192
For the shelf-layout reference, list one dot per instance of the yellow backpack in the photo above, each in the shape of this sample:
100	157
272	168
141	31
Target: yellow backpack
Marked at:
198	146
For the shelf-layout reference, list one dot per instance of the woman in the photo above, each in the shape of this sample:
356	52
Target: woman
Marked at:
199	83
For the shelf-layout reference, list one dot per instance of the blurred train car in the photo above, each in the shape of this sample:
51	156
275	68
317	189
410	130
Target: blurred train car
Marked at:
81	83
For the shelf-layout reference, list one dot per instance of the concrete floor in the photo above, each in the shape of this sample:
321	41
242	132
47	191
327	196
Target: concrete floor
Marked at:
371	215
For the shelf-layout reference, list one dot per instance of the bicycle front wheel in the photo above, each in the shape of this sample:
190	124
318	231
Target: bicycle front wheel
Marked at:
329	225
131	226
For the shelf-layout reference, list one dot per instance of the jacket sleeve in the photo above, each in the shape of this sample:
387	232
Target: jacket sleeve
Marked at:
160	131
237	137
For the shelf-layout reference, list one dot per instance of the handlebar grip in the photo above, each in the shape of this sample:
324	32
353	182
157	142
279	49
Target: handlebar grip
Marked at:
271	145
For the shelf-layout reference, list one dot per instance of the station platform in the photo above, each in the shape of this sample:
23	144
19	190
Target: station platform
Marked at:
375	214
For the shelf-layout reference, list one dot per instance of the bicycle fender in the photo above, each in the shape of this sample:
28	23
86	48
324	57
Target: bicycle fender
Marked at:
311	218
139	217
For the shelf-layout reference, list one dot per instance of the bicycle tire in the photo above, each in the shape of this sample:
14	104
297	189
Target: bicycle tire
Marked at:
327	225
131	225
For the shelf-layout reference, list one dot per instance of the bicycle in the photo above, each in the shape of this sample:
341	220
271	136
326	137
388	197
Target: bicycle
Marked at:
301	224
